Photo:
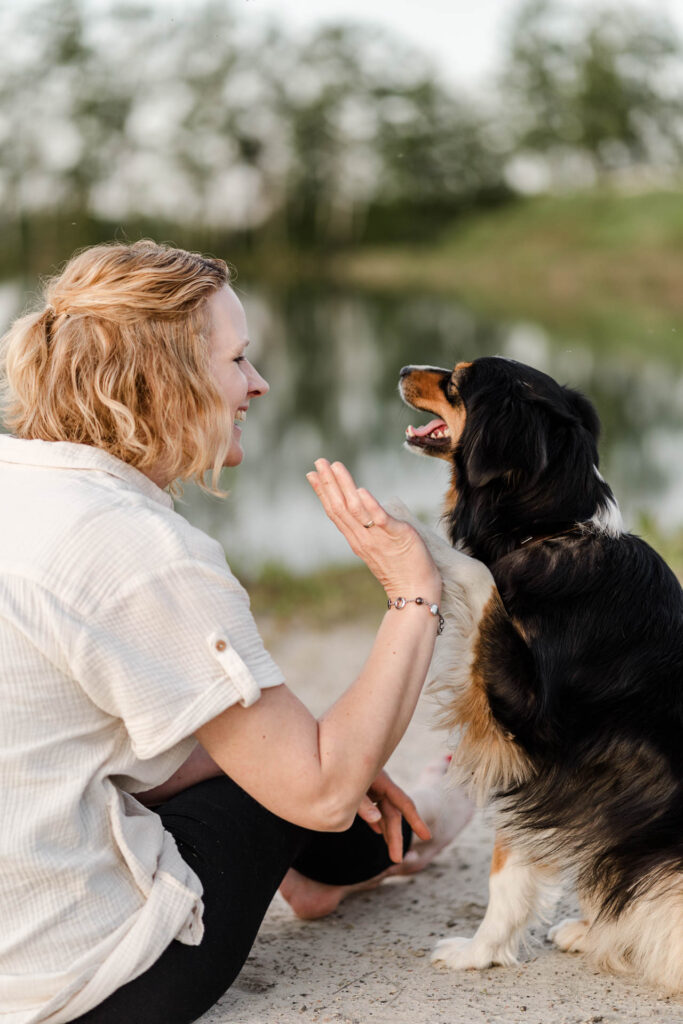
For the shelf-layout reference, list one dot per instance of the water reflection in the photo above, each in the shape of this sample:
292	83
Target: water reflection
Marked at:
332	358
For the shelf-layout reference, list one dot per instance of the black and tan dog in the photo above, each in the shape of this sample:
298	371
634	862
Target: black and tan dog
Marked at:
561	669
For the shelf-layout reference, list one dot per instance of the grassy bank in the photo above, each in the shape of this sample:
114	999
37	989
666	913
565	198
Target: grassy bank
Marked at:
599	265
318	600
602	265
328	597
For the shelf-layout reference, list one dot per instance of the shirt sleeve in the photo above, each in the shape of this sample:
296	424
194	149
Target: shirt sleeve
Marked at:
171	652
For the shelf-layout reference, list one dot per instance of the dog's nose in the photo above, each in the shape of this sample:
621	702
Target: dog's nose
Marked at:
405	370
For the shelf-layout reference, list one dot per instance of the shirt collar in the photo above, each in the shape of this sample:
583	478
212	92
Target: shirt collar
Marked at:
66	455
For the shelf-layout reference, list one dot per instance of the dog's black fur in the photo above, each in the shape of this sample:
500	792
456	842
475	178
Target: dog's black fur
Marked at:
586	671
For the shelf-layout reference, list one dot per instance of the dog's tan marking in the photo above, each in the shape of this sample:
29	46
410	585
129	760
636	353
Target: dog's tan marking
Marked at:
487	756
456	419
451	497
499	856
462	366
422	388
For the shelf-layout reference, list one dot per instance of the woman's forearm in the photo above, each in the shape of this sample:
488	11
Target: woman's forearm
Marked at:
358	734
198	767
315	772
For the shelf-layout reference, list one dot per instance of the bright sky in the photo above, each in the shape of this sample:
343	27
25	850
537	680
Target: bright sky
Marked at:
466	36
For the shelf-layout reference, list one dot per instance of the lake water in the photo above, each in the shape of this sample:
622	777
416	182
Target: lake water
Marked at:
332	358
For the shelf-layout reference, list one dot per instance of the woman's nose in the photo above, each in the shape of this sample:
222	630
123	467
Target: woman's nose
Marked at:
258	385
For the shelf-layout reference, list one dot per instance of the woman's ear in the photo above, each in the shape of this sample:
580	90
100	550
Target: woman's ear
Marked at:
513	439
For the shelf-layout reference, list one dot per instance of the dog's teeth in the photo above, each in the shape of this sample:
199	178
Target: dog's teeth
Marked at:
409	432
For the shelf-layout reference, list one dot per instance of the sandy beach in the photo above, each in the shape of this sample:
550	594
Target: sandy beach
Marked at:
369	962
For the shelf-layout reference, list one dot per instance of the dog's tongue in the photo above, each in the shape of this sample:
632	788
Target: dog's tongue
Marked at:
427	429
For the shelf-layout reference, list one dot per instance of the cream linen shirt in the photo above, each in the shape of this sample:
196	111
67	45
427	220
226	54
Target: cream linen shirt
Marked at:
122	630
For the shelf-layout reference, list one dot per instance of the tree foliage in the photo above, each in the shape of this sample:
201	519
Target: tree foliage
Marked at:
191	114
606	84
188	113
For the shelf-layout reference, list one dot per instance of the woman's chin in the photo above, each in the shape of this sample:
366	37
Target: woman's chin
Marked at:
234	457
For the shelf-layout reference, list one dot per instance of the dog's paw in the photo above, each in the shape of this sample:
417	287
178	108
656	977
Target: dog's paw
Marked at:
462	954
570	935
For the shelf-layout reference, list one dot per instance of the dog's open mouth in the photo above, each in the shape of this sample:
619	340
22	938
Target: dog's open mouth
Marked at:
434	435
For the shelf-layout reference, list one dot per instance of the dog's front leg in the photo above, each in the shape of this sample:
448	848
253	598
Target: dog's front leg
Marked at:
517	890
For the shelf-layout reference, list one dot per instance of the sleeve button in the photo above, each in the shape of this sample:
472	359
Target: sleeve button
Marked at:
221	645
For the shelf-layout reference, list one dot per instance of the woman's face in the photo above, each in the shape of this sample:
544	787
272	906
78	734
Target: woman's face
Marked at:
234	376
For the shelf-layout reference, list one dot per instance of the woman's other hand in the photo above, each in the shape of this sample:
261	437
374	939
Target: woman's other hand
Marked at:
382	809
392	550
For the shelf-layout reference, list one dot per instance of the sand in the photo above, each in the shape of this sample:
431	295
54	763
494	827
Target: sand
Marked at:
369	962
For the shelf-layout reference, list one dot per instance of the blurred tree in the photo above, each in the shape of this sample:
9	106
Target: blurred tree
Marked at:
436	161
63	111
606	86
187	113
380	148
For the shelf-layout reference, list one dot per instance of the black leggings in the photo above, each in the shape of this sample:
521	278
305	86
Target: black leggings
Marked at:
241	852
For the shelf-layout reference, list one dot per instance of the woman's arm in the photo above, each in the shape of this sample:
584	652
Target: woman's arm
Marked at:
316	772
196	768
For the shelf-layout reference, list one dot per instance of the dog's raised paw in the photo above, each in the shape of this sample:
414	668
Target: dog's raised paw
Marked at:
462	954
570	935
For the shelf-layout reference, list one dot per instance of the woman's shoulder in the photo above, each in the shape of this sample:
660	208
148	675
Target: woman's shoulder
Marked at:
136	539
87	535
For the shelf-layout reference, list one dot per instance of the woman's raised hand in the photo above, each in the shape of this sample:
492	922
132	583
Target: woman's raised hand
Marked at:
392	550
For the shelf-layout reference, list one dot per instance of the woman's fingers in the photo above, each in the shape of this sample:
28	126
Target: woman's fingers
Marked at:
339	497
391	549
419	827
371	814
378	514
360	503
342	500
393	830
325	485
407	808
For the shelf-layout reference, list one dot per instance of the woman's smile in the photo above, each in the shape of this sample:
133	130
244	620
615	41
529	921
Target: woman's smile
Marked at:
237	381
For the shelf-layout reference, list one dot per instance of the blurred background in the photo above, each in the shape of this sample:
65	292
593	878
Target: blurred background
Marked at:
392	183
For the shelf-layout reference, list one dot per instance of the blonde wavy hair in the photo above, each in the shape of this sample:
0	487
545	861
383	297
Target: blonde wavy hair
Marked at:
118	358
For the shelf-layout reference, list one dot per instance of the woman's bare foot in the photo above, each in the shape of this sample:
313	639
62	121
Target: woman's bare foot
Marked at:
445	810
309	899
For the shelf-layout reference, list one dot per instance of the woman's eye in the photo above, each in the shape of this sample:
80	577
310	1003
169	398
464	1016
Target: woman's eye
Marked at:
239	359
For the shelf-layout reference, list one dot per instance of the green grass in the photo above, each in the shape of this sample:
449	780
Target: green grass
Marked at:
320	600
329	597
601	265
669	544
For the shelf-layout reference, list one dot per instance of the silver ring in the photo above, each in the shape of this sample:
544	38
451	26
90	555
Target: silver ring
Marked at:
368	525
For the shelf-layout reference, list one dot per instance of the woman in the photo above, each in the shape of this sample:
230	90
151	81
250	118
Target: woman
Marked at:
126	639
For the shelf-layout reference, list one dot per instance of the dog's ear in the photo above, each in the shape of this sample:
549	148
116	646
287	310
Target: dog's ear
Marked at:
585	410
513	439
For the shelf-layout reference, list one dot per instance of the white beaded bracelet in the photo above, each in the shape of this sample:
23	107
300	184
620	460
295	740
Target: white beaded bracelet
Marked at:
401	602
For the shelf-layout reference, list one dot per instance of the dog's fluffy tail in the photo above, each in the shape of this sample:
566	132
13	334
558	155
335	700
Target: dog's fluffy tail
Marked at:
646	937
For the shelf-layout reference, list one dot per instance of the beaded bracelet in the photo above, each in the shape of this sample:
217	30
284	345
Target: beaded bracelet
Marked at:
401	602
